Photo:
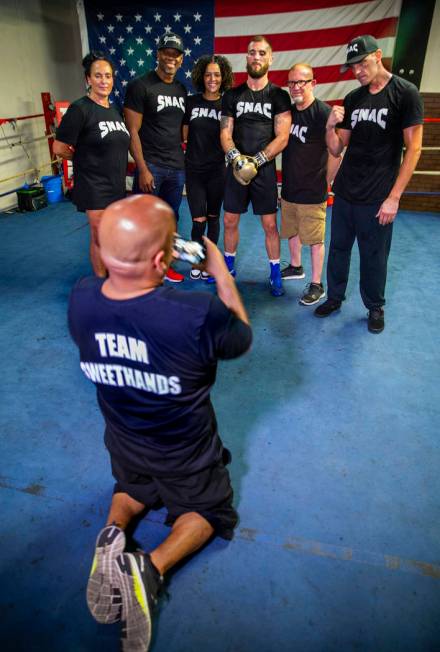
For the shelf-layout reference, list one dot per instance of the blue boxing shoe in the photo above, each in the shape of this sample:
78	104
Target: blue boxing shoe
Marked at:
230	264
210	280
276	283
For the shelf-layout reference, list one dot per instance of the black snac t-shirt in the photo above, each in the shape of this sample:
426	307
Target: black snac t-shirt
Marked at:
162	106
203	150
153	360
254	113
304	160
372	160
101	141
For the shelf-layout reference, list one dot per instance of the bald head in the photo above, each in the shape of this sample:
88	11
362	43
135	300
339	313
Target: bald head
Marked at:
133	231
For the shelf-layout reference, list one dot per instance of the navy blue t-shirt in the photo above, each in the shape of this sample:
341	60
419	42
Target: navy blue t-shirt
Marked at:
153	360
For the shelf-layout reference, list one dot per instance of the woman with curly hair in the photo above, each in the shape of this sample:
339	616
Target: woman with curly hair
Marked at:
93	135
204	159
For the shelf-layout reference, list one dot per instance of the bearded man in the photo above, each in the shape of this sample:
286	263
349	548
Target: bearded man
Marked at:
254	128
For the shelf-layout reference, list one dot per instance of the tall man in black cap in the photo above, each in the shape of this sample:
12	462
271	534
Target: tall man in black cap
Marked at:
374	124
154	107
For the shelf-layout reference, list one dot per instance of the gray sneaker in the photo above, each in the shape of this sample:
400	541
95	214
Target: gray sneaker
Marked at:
291	273
103	595
140	584
312	294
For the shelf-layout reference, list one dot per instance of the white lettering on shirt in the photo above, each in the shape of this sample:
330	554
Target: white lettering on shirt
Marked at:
203	112
369	115
118	376
114	345
119	346
254	107
299	132
106	126
164	101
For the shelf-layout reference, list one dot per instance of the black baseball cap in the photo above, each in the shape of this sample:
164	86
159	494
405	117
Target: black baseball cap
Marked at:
170	41
358	48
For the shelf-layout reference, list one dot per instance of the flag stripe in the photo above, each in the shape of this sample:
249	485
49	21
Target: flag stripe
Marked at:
298	21
323	74
330	56
230	8
316	31
319	38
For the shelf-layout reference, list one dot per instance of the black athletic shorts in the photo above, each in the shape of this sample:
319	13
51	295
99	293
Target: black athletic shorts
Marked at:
262	192
207	492
204	190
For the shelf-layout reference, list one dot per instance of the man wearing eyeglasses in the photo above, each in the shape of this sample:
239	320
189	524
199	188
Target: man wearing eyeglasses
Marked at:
374	124
255	121
154	108
307	171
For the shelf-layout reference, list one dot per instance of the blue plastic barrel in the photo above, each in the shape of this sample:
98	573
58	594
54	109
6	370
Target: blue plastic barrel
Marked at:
53	187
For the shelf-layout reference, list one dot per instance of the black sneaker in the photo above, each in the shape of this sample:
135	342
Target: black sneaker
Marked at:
290	273
312	294
326	308
376	320
140	584
103	594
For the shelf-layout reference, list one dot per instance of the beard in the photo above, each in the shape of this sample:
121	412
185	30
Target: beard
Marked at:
256	74
298	99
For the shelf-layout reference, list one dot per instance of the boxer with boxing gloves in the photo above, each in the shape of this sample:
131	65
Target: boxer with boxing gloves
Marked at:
255	126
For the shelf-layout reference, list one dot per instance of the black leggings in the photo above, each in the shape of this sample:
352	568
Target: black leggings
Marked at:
204	191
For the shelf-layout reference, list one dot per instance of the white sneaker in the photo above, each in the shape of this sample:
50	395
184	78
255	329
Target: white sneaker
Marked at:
195	274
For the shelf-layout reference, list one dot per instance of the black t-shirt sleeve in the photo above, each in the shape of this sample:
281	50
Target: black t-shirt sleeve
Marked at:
228	104
71	125
224	336
187	114
412	108
345	124
282	101
135	96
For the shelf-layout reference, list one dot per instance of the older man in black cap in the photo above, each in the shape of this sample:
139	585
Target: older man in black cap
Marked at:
154	108
374	124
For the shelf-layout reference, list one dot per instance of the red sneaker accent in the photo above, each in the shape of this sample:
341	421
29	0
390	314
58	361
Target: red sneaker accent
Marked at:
173	276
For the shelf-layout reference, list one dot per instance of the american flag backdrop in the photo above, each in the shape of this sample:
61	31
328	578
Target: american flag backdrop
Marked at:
312	31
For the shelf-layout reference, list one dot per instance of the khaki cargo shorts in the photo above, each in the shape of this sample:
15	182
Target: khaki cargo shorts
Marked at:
305	220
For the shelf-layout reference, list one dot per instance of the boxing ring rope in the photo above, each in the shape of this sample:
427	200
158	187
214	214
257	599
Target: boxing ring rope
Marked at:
425	193
22	117
49	116
49	136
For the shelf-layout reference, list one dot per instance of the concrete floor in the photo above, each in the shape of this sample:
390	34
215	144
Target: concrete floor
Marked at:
334	435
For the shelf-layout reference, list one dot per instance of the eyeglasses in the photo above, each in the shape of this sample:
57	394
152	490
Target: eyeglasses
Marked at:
300	83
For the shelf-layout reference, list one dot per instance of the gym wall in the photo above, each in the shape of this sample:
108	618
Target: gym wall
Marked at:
40	50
